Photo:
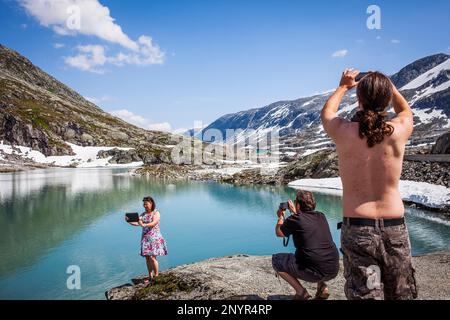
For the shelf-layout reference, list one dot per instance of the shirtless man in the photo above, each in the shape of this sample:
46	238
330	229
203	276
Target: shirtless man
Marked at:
374	237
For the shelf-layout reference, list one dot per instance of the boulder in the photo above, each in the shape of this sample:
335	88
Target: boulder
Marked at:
442	145
120	156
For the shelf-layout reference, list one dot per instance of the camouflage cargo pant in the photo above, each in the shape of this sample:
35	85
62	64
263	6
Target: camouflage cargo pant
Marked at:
377	263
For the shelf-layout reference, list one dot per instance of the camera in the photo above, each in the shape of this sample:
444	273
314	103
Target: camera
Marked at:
283	206
361	75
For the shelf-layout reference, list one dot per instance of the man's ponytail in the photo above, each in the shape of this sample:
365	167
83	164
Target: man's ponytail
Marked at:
373	126
374	93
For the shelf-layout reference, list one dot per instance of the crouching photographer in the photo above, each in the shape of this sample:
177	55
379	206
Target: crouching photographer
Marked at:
316	258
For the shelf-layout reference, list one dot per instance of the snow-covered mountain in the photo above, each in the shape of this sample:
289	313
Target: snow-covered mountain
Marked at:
425	83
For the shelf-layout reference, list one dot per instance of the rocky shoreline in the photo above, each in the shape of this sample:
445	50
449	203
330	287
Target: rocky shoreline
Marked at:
243	277
13	163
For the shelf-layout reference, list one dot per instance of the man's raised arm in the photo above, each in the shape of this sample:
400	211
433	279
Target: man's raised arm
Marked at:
330	120
402	109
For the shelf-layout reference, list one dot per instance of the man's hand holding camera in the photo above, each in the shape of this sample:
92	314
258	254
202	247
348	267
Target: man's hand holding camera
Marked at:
280	214
291	207
282	209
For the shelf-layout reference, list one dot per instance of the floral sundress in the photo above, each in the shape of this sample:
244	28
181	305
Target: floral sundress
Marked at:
152	241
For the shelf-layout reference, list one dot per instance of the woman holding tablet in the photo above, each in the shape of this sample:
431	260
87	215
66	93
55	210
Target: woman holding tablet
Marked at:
152	241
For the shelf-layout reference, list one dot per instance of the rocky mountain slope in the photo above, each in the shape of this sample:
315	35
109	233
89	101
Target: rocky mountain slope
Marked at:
39	112
425	83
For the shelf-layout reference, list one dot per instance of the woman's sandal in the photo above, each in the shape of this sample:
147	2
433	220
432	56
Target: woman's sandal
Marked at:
149	281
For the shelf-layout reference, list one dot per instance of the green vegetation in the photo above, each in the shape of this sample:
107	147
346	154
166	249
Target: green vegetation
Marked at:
37	120
163	286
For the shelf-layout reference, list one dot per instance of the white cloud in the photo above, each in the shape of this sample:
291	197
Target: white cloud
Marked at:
93	19
180	130
58	45
132	118
93	58
395	41
140	121
94	100
340	53
90	58
165	126
378	37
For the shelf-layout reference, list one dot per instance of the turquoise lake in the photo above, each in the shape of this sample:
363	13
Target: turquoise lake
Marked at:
55	218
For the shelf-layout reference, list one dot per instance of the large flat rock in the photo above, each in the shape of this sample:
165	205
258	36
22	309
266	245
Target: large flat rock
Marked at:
252	277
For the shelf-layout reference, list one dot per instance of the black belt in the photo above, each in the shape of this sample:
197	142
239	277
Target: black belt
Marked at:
362	222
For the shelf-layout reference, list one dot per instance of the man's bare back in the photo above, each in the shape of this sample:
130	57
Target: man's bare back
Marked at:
370	176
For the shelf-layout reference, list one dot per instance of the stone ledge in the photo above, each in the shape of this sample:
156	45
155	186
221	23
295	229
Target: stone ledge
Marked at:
246	277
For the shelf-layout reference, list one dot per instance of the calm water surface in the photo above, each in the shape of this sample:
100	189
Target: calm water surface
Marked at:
51	219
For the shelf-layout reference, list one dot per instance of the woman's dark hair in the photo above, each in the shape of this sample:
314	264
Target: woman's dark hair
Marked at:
150	199
374	93
306	201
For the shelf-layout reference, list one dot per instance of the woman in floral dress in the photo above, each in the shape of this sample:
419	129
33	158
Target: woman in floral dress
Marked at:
152	241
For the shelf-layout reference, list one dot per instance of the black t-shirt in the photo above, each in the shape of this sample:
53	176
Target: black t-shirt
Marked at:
312	239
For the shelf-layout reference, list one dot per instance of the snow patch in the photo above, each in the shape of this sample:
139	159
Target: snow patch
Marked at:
429	91
308	152
348	108
85	157
427	115
427	194
237	167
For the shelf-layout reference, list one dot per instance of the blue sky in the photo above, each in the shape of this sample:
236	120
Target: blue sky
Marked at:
165	63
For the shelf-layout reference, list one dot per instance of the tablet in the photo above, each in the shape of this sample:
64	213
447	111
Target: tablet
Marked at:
132	217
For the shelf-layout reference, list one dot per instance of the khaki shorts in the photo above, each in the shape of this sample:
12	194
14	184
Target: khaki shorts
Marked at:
377	263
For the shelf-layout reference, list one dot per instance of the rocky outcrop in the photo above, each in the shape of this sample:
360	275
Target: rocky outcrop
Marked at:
442	145
164	171
120	156
17	132
244	277
252	176
322	164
